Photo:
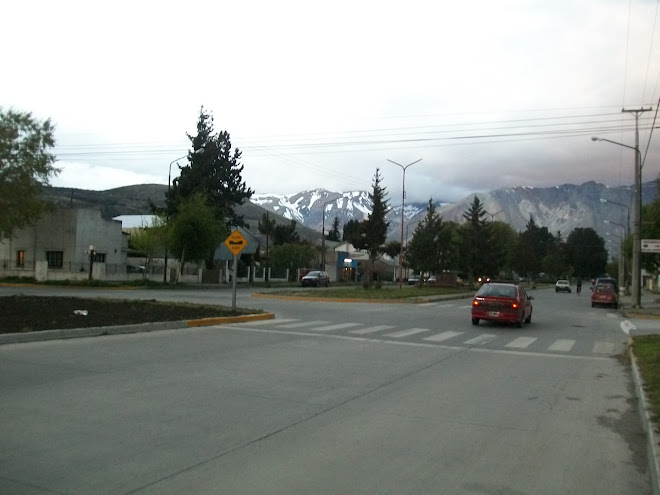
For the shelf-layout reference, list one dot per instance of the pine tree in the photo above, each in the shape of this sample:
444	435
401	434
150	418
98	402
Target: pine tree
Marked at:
376	225
333	235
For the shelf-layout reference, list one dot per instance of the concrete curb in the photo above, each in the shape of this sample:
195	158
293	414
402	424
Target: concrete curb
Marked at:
417	300
651	439
74	333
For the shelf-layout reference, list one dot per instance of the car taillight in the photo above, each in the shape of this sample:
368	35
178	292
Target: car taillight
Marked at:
514	305
475	303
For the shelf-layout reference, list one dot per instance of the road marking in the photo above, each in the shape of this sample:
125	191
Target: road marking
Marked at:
603	348
274	321
481	339
521	342
373	329
427	304
562	345
405	333
443	336
303	324
446	305
465	307
338	326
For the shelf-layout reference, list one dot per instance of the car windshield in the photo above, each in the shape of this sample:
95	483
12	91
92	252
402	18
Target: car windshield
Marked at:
313	274
562	282
604	288
497	290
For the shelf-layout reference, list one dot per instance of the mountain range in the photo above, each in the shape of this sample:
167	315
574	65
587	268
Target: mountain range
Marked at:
559	208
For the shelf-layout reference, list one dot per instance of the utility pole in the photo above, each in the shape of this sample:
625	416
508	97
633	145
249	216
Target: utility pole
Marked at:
637	215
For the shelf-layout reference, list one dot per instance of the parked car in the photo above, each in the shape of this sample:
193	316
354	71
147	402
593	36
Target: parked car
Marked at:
605	294
563	286
432	280
315	278
606	280
505	302
413	279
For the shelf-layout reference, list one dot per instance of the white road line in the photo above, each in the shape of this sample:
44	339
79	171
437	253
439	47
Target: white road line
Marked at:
443	336
446	305
338	326
521	342
303	324
562	345
427	304
481	339
373	329
603	348
405	333
274	321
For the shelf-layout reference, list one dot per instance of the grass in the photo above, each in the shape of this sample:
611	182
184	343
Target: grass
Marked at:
386	292
646	349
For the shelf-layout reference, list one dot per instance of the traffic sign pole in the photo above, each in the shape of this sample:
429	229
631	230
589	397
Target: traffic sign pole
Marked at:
235	243
233	283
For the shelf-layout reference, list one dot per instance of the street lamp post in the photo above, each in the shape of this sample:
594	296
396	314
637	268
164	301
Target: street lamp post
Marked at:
169	186
492	215
621	276
621	280
323	233
637	222
403	204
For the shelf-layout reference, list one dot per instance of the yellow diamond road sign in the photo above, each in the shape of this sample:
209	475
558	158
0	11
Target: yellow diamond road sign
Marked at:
235	242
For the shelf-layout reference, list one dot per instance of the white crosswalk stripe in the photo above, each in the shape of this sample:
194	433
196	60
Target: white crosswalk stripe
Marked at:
274	321
406	333
374	329
443	336
481	339
339	326
303	324
603	348
521	342
562	345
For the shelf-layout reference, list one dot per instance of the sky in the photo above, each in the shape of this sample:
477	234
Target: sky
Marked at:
322	94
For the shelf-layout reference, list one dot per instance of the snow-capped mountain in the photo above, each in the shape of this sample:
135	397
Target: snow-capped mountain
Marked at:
559	208
308	207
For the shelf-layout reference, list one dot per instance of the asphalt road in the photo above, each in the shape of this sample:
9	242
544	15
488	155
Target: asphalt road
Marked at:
329	398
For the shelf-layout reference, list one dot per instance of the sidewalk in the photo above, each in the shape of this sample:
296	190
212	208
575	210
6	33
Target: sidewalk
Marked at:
650	306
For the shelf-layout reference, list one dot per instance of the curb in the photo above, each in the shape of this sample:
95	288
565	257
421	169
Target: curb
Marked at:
74	333
417	300
651	439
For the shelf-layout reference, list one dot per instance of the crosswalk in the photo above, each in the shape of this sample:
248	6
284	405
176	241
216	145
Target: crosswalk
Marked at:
505	341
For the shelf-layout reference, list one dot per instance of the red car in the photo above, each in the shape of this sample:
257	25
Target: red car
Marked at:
605	295
504	302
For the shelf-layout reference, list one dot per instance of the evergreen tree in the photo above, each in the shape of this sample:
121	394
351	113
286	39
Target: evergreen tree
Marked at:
375	226
430	249
476	257
215	171
26	164
285	234
333	235
586	253
353	233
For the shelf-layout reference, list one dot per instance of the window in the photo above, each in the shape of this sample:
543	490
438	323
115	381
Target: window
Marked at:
20	258
55	259
99	257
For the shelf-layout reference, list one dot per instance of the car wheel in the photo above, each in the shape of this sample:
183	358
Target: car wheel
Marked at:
593	305
475	321
556	290
529	318
519	323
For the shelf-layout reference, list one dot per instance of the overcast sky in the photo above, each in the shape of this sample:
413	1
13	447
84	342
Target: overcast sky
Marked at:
487	93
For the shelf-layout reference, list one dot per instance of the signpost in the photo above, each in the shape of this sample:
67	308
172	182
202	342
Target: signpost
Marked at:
650	245
235	243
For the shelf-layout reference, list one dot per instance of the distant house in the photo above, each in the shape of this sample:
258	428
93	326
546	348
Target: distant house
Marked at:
63	244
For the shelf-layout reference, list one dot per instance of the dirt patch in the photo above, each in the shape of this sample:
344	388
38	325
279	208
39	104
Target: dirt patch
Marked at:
33	313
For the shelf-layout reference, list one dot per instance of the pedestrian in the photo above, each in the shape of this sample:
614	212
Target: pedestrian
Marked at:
579	285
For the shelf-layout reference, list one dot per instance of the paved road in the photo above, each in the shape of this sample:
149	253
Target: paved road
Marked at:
329	398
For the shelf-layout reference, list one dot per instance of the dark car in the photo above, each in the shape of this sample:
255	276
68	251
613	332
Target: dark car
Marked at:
504	302
605	294
315	278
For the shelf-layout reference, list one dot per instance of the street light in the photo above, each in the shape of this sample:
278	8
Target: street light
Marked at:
603	200
323	233
492	215
169	185
621	275
637	213
403	204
